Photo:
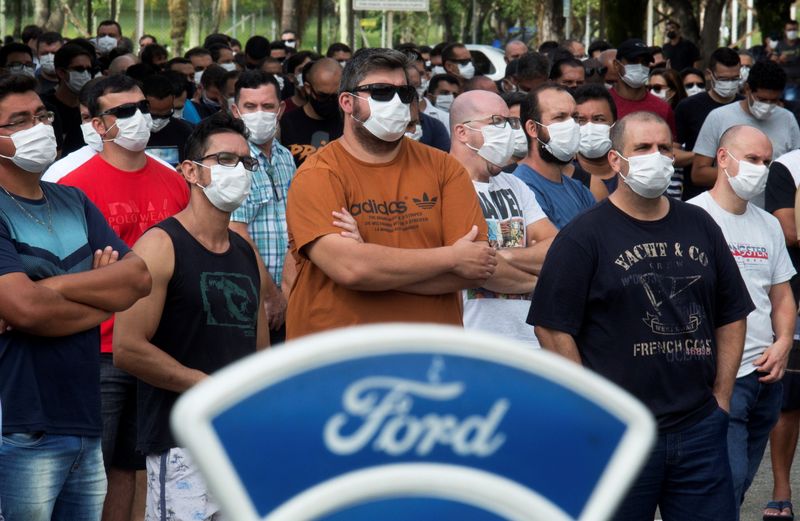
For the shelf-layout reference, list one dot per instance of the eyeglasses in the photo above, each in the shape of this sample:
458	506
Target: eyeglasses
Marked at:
22	122
230	159
465	61
657	88
600	71
499	121
128	109
322	96
386	91
737	78
81	70
700	84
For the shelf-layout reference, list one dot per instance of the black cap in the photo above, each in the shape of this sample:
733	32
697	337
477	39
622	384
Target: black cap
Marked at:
633	49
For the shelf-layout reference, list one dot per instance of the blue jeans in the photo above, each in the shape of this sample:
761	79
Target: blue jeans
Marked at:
755	408
46	477
687	476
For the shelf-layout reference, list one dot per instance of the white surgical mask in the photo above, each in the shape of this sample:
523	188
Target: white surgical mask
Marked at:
423	87
649	175
35	148
299	79
760	110
228	66
691	91
661	94
791	35
565	138
23	69
498	144
281	82
48	63
750	181
229	186
444	102
467	71
416	135
106	43
437	69
231	102
77	80
261	126
159	124
134	132
387	120
725	88
520	143
773	44
635	75
290	43
595	140
91	137
744	72
197	76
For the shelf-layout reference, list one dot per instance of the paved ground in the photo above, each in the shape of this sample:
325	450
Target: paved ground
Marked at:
761	490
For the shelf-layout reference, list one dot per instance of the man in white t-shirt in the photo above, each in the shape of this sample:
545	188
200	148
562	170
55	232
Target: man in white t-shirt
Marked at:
756	242
482	140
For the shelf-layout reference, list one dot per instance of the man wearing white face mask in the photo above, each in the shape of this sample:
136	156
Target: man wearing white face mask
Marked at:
109	34
134	192
547	116
46	47
482	141
261	219
73	66
206	311
424	237
643	290
597	114
442	91
168	133
756	242
457	60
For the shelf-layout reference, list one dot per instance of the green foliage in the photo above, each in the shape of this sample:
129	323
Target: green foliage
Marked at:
772	14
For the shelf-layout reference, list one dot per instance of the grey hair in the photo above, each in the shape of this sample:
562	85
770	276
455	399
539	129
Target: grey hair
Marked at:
618	130
365	61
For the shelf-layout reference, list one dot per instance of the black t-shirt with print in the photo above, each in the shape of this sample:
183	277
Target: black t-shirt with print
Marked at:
779	195
169	144
643	300
303	135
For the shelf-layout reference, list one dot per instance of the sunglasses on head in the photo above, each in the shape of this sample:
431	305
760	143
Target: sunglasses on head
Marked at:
386	91
128	109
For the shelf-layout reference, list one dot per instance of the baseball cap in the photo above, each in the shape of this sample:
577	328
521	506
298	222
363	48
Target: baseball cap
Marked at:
634	48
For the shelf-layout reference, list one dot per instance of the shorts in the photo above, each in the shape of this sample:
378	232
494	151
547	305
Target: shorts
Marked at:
118	407
791	378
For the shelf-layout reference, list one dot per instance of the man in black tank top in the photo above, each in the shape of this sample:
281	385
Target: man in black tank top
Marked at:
205	310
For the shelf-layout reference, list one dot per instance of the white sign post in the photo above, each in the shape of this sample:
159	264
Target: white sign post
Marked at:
391	5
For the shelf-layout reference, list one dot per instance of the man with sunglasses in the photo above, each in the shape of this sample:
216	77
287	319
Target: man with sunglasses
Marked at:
423	231
206	310
318	122
168	134
134	192
457	60
73	66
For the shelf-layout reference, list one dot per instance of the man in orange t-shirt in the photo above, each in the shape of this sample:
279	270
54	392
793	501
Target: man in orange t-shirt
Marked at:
424	235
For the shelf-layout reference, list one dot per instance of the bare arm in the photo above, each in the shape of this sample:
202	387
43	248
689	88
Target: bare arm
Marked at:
704	173
784	314
289	276
786	216
530	259
134	328
262	321
682	157
730	344
558	342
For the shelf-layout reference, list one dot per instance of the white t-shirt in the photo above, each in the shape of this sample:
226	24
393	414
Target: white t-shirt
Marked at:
73	160
756	241
439	114
509	207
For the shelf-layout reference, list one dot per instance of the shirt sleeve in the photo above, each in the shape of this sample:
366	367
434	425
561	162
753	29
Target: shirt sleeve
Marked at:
780	190
460	207
706	144
732	300
681	122
9	258
99	232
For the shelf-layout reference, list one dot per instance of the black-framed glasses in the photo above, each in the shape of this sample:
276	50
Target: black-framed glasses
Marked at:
499	121
27	121
386	91
230	159
128	109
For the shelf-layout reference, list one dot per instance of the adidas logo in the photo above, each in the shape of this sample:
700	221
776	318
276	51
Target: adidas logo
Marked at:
425	203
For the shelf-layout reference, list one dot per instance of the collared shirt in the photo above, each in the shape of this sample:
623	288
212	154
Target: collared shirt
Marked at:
264	210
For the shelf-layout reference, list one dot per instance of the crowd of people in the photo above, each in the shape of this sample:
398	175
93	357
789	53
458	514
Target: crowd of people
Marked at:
631	208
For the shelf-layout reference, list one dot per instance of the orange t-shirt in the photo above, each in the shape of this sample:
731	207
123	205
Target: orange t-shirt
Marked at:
422	199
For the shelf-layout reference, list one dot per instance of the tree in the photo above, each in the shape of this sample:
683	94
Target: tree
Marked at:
772	14
179	22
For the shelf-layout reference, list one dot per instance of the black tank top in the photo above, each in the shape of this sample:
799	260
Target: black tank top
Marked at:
209	320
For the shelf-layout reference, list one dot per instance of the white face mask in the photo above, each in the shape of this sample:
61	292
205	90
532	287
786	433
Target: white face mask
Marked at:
423	87
595	140
299	79
23	69
260	125
750	181
178	113
387	120
635	75
77	80
106	43
134	132
661	94
437	69
649	175
565	138
467	71
229	186
744	72
498	144
290	43
691	91
35	148
520	143
773	44
444	102
725	88
48	63
760	110
791	35
416	135
281	82
91	137
197	76
228	66
158	124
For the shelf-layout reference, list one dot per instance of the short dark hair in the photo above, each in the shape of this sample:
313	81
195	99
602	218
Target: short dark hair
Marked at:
618	130
219	123
110	22
215	38
212	75
140	71
555	71
691	70
253	79
151	52
367	60
108	85
337	47
196	51
598	45
142	37
595	91
513	98
48	38
215	50
178	61
6	50
294	61
529	66
724	56
235	43
29	32
257	47
16	84
436	79
178	82
448	53
766	75
222	82
157	86
548	46
438	48
67	53
86	90
529	109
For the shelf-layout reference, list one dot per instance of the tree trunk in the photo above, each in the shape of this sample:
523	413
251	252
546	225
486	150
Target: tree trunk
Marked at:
625	19
215	17
709	39
56	21
195	21
289	15
179	22
447	20
41	11
18	19
772	15
551	21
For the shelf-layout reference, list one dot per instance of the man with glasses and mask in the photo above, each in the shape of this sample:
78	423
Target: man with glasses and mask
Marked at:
759	109
261	219
64	272
133	191
73	66
206	310
457	61
483	141
643	290
318	122
424	236
548	118
289	38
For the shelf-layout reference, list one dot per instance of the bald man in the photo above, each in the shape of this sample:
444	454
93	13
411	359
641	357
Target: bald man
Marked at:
482	130
514	50
318	122
481	83
120	64
756	242
644	291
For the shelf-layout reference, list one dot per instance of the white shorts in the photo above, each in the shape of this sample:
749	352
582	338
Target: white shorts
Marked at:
176	491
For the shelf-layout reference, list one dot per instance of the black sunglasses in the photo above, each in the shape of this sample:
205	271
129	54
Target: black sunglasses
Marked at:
600	71
128	109
322	96
386	91
694	84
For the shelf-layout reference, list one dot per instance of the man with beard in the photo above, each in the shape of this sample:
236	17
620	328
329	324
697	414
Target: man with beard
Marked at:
424	236
548	117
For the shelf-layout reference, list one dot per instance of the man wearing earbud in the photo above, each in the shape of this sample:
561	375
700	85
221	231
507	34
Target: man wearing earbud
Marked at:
756	241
